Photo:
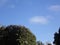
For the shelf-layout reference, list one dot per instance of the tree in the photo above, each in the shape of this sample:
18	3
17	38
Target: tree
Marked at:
57	38
49	44
39	43
16	35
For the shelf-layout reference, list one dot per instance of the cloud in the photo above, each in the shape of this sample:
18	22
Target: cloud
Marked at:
39	19
3	2
54	8
8	3
16	1
11	6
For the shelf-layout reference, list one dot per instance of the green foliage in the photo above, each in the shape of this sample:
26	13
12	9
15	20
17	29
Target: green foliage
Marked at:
40	43
16	35
57	38
48	43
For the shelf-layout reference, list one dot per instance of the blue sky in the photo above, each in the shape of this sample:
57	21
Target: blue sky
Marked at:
42	17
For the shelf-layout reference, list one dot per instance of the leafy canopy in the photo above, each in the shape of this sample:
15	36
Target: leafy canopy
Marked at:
16	35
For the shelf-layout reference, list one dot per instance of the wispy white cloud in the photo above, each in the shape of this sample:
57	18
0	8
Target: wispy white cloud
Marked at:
11	6
8	3
16	1
3	2
54	8
39	19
